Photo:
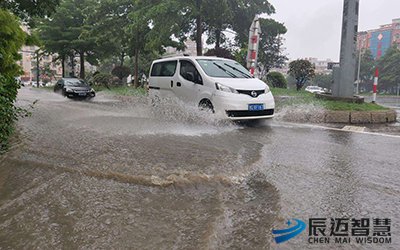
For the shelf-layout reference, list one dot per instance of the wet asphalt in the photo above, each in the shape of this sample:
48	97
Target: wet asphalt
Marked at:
116	173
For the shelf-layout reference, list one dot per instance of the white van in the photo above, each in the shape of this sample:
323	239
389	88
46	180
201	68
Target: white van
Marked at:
220	85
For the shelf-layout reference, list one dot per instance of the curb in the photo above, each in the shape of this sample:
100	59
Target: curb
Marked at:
360	117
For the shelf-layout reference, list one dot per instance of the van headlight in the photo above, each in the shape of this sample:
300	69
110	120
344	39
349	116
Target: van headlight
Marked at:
224	88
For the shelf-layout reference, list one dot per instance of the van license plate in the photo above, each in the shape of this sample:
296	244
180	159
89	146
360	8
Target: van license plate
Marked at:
256	107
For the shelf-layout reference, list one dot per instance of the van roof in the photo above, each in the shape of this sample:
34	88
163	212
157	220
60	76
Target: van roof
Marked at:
190	57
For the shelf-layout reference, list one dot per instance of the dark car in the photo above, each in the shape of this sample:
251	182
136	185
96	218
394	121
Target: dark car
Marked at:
74	88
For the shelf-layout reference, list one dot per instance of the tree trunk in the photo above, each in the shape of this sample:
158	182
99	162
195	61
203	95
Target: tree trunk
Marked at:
72	73
122	58
63	65
82	62
298	85
136	82
199	29
217	39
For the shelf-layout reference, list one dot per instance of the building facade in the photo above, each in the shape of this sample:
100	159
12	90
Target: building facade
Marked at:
381	39
49	69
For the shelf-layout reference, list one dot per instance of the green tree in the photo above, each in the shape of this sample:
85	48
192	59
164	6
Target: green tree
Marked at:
68	32
243	12
56	40
323	80
26	9
109	19
277	80
153	25
12	37
215	16
389	76
270	49
367	69
302	71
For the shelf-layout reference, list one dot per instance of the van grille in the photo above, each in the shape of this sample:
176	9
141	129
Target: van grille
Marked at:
252	93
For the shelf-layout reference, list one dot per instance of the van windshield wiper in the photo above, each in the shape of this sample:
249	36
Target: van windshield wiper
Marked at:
238	70
225	70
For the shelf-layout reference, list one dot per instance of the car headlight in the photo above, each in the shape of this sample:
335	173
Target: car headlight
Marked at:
267	90
91	90
69	90
224	88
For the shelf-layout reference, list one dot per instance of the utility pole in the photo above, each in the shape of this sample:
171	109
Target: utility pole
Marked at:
345	74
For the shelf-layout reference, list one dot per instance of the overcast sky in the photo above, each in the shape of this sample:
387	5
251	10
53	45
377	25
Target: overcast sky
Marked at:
314	26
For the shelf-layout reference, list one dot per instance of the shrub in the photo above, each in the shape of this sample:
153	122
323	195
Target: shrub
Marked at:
12	37
121	72
102	79
8	93
277	80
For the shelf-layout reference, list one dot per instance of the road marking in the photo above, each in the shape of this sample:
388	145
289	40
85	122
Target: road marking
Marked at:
353	129
338	129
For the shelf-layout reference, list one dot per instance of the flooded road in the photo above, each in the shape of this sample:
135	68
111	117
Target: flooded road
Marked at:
118	174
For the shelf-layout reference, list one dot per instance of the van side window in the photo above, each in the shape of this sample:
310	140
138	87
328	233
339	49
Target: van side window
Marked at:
164	69
187	68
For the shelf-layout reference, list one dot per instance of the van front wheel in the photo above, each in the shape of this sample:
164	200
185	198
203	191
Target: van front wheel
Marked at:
206	105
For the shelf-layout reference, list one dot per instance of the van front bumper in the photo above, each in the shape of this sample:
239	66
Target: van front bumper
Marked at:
236	106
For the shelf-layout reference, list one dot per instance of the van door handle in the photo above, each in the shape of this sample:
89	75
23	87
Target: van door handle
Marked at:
172	84
178	84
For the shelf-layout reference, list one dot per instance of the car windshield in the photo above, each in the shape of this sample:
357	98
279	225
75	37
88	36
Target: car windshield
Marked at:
223	68
75	83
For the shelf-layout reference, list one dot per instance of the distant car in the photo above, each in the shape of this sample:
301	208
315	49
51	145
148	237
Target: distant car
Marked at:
315	90
74	88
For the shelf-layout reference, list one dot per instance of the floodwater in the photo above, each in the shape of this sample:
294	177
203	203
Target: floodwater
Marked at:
115	173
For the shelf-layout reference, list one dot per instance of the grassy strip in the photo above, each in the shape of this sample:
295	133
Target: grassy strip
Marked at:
303	97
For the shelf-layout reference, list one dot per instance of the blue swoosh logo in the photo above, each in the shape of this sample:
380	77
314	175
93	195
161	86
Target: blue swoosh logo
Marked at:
289	233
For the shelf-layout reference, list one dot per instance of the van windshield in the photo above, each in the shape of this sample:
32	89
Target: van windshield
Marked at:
223	68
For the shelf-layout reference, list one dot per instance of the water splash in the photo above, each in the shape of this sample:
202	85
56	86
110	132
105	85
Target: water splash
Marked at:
302	113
